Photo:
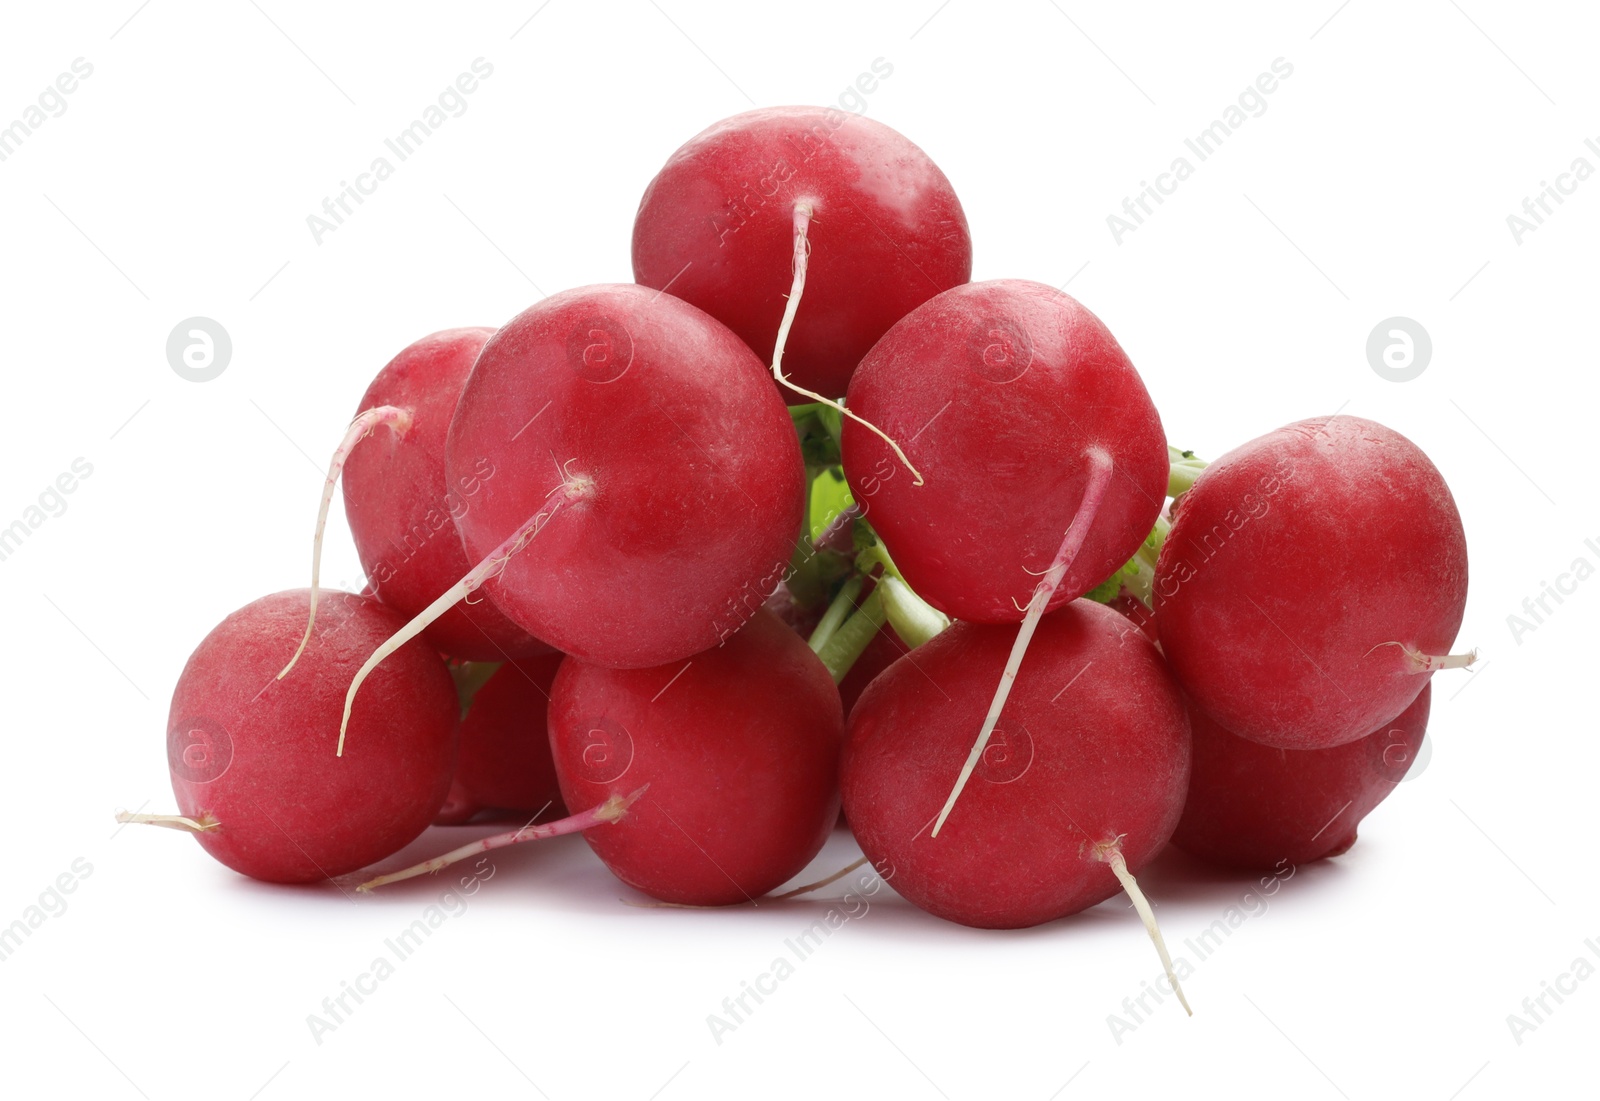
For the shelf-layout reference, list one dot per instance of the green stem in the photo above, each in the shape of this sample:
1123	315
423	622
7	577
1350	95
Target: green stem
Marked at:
913	619
471	676
831	620
1185	468
1142	582
850	640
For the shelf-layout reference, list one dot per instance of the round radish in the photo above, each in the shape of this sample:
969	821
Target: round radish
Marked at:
1044	460
252	758
650	484
872	218
739	747
504	759
1255	806
1083	783
1313	580
1093	751
403	512
1002	393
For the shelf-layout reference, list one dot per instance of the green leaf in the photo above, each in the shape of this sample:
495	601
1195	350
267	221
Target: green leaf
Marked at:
830	495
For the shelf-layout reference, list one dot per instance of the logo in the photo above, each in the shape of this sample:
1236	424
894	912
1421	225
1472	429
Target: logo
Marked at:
199	349
1001	349
199	750
600	349
1399	349
607	751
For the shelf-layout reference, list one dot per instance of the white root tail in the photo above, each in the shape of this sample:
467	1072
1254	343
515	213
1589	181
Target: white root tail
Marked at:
399	421
1112	854
821	883
802	251
572	489
170	821
1100	467
796	892
614	809
1431	663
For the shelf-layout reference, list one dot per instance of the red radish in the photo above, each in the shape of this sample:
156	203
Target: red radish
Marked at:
250	754
1044	459
459	807
883	651
680	465
1083	784
400	508
504	758
404	512
1311	583
872	226
1254	806
650	486
739	746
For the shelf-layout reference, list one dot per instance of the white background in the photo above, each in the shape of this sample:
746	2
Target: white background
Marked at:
1376	184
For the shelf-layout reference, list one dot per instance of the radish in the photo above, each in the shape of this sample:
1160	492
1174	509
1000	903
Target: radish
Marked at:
739	746
404	512
400	507
504	758
249	753
650	486
1082	786
1044	459
771	203
1254	806
470	676
1313	580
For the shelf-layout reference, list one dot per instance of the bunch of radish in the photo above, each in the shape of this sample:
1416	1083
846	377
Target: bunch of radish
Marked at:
803	516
